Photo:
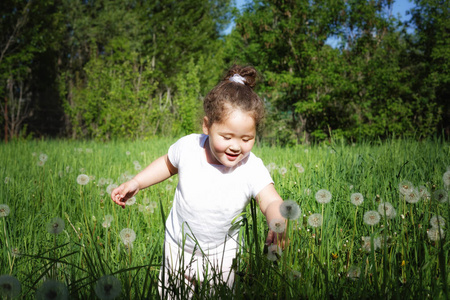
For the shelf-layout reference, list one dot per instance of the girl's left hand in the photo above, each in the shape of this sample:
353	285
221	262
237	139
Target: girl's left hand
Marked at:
276	238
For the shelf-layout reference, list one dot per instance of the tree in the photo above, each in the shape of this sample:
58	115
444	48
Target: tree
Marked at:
285	40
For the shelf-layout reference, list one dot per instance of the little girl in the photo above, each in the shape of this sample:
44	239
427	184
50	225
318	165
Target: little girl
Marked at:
217	177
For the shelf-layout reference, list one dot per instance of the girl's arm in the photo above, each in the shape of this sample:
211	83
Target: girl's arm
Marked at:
159	170
269	202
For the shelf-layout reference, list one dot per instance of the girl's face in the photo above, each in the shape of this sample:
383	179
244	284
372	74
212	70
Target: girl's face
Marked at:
231	140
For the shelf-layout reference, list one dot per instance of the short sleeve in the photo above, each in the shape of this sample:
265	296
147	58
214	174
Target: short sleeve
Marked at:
184	144
260	176
174	152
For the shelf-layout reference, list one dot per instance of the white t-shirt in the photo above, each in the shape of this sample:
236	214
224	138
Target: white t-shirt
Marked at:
209	197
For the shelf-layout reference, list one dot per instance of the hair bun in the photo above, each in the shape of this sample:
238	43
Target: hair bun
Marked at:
248	73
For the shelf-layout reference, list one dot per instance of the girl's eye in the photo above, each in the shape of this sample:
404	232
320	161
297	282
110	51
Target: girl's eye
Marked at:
226	138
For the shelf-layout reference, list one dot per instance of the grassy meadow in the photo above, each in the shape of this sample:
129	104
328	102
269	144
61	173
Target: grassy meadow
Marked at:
377	237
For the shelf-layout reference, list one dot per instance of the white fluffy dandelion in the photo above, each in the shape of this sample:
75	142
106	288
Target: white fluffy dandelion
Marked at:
386	209
43	157
102	181
9	287
107	221
271	167
424	193
289	209
4	210
315	220
353	273
108	287
371	217
440	196
52	289
282	170
435	234
111	187
55	226
323	196
131	201
300	168
412	196
405	187
82	179
367	243
437	221
274	252
446	179
357	199
277	225
127	235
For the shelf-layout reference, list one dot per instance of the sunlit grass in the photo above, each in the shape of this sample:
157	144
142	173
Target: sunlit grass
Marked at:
342	258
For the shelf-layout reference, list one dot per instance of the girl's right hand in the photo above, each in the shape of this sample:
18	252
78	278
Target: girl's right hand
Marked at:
125	191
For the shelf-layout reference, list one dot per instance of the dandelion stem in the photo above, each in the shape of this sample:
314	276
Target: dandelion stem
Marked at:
353	239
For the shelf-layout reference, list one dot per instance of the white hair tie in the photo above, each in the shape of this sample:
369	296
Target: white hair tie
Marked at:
237	78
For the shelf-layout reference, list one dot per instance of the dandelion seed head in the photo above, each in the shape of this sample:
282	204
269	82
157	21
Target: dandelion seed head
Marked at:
277	225
274	252
137	167
40	163
446	178
101	181
282	170
405	187
271	167
4	210
323	196
82	179
386	209
367	243
353	273
289	209
15	252
435	233
371	217
412	196
108	287
357	199
52	289
111	187
131	201
55	226
127	235
437	221
315	220
9	287
300	168
7	179
128	153
424	193
43	157
440	196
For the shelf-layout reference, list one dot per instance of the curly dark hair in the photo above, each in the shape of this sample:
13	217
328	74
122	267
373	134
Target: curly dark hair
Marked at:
229	95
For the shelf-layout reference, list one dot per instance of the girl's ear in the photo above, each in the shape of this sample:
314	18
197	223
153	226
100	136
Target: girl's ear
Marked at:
205	125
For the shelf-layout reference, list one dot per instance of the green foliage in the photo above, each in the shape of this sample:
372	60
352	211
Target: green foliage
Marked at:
117	99
379	79
187	101
317	264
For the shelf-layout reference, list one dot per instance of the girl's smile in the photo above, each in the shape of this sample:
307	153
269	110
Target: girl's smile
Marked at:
231	140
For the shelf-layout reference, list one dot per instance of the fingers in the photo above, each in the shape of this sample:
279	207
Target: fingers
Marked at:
275	238
118	196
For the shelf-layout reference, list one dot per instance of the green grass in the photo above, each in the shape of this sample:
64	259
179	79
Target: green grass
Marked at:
315	265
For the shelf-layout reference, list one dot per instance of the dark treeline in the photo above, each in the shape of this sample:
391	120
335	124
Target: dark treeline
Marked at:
111	69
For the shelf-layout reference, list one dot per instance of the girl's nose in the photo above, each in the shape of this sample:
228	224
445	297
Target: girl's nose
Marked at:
235	147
